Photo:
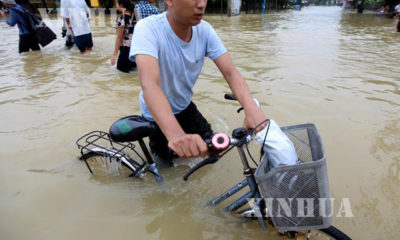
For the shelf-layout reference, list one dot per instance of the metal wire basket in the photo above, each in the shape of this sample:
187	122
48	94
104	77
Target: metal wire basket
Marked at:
99	139
297	196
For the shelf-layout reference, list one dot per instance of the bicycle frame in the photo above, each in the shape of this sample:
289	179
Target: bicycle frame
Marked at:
249	181
240	138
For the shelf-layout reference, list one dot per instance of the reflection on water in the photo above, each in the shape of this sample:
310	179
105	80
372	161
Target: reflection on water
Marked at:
334	68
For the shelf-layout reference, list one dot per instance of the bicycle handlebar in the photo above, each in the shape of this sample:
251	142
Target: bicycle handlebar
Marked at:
216	147
229	96
209	160
220	142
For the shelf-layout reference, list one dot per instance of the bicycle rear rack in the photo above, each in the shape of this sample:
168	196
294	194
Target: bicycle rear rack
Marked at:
99	139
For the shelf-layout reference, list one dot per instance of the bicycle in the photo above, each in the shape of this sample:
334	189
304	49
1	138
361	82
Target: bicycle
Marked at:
112	149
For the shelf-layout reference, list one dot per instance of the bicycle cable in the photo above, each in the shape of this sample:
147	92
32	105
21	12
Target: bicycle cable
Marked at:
251	157
265	138
250	133
230	148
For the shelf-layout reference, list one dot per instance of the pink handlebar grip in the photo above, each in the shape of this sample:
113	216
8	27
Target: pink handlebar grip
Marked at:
220	141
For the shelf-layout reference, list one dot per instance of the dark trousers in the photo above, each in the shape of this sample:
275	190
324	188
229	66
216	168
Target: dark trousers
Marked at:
123	63
83	42
27	42
191	121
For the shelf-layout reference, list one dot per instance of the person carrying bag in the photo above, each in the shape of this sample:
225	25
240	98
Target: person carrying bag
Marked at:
27	40
38	28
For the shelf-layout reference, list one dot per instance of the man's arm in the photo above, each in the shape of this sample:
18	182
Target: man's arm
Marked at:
64	11
12	20
2	13
118	41
240	90
185	145
69	26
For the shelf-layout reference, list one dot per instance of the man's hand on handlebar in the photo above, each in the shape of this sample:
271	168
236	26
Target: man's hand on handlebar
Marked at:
188	145
254	116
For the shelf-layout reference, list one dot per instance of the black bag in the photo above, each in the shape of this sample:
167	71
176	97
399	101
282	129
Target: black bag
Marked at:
36	26
43	33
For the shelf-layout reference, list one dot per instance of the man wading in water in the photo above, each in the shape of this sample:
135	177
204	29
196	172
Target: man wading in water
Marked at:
169	50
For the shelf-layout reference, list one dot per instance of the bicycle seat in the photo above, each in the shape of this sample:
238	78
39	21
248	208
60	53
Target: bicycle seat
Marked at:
131	128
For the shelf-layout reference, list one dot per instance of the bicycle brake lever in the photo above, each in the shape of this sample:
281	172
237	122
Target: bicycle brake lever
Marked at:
210	160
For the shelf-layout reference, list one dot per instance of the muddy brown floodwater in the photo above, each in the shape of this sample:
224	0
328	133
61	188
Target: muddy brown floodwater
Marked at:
334	68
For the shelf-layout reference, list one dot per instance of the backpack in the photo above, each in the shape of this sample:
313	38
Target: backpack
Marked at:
37	27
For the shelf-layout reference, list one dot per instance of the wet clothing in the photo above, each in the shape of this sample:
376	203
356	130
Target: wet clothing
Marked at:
127	22
123	63
27	39
144	9
192	122
17	17
180	62
77	11
28	42
83	41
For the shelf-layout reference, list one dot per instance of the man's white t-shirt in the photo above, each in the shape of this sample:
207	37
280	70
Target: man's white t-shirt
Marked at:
180	62
77	11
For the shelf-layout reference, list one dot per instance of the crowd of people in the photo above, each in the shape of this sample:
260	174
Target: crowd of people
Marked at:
386	10
169	50
76	26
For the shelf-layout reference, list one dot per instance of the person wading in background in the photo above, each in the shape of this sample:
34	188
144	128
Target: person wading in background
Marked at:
77	14
27	39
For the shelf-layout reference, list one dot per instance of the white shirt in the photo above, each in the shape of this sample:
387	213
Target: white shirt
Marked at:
180	62
397	8
77	11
